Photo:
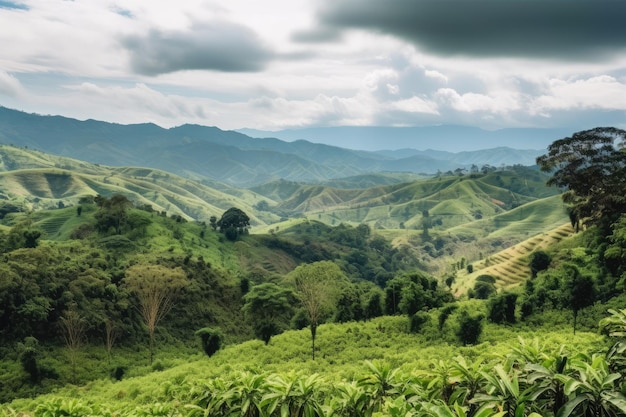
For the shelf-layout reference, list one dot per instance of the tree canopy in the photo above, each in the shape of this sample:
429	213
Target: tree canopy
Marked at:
156	287
317	287
268	307
233	223
591	165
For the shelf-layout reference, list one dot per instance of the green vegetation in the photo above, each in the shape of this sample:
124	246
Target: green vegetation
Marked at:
120	309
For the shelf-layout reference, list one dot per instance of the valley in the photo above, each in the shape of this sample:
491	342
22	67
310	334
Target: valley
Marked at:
420	283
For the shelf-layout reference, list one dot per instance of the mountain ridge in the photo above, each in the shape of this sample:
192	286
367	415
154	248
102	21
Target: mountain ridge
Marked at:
209	153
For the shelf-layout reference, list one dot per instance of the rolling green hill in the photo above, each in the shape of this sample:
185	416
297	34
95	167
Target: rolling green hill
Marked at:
38	180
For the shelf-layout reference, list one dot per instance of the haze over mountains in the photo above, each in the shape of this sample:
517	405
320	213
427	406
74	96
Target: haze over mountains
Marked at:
209	153
451	138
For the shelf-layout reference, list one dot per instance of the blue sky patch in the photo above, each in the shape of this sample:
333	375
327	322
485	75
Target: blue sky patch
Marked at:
12	5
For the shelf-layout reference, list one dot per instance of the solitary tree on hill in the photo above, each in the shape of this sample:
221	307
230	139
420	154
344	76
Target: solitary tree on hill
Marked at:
234	222
317	287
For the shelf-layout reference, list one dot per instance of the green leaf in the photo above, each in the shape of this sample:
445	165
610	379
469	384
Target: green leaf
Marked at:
617	399
569	407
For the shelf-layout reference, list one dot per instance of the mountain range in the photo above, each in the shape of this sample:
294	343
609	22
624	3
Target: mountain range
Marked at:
209	154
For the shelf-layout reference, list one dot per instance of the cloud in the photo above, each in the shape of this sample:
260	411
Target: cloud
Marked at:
218	46
554	29
9	85
600	92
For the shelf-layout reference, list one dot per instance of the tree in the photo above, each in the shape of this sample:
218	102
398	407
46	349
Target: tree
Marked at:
373	306
444	313
268	307
483	290
470	328
581	291
29	355
349	305
211	340
73	327
417	321
156	287
112	214
111	333
213	222
539	261
317	287
592	168
501	309
233	223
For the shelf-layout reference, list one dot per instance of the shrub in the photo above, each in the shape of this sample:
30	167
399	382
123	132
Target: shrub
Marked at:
211	340
470	328
417	321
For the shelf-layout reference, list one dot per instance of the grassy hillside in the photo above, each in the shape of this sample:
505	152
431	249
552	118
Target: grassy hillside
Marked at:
37	180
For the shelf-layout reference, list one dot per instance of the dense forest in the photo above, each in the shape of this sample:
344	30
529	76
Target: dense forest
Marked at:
315	318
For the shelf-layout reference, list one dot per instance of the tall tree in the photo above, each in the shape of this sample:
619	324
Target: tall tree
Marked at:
268	307
581	291
73	327
317	286
591	165
112	213
156	287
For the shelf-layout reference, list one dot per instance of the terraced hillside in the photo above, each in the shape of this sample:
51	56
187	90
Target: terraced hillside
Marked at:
510	266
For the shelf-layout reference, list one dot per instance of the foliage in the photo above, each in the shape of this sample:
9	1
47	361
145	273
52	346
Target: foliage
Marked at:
539	261
411	292
156	288
268	306
592	168
501	308
317	287
581	291
470	328
417	321
483	290
233	223
211	340
112	215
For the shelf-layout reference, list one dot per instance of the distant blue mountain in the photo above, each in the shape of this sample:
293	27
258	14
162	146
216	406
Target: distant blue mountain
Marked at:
236	159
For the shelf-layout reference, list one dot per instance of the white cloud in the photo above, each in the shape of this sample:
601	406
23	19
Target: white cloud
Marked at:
601	92
501	102
62	57
436	75
415	105
9	85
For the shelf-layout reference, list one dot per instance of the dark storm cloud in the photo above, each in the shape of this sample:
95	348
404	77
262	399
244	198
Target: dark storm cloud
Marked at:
218	46
559	29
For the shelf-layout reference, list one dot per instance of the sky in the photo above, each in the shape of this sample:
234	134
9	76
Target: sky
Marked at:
285	64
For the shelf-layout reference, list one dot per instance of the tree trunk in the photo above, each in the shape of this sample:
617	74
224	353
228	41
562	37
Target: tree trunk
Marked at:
151	346
313	331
